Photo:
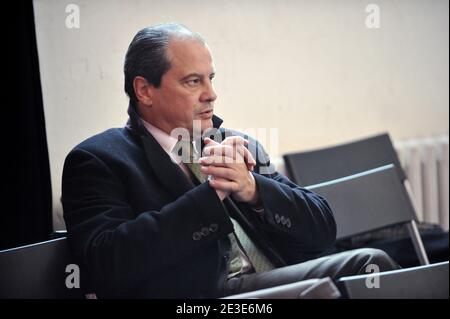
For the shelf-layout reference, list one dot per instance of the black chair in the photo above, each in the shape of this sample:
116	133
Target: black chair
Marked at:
422	282
37	271
368	201
326	164
317	166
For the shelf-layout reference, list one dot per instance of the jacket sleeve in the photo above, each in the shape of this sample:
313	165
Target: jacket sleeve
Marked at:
120	248
297	221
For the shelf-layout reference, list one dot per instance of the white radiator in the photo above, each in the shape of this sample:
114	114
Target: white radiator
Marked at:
425	162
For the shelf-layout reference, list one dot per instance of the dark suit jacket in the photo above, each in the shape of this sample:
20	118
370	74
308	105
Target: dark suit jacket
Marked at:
140	229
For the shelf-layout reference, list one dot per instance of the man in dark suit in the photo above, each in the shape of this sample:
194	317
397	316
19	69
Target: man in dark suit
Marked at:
146	221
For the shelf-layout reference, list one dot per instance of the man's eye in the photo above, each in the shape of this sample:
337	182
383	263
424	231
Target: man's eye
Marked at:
193	82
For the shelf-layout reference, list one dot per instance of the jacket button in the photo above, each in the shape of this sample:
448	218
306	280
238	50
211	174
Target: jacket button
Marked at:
288	223
283	220
277	218
196	236
213	228
205	231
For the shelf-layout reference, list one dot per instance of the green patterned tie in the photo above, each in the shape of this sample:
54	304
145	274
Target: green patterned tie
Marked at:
189	157
259	261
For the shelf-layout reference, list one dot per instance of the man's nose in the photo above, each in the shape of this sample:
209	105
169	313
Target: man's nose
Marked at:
209	94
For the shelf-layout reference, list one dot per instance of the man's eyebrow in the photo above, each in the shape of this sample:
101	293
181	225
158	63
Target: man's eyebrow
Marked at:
197	75
191	75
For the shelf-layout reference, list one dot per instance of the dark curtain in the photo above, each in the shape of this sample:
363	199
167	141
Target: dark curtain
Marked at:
26	215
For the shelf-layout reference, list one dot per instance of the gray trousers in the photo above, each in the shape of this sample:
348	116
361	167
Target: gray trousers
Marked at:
348	263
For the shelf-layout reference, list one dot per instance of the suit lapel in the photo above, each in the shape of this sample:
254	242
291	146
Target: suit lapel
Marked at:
169	173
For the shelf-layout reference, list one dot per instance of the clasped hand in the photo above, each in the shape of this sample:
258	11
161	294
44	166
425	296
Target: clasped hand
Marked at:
230	164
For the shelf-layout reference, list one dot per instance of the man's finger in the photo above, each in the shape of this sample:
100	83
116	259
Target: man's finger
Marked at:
222	150
221	172
224	185
209	141
247	155
241	143
233	145
220	160
235	140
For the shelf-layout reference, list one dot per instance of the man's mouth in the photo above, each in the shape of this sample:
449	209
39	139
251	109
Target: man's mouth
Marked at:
206	112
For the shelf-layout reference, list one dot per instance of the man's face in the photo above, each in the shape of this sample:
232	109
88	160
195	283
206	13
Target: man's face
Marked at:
186	92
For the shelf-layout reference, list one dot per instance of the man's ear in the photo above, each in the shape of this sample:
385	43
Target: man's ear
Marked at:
143	90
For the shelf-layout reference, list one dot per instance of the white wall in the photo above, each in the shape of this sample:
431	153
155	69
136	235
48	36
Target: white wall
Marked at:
312	69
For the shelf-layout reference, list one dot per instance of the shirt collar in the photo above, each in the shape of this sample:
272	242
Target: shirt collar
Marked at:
166	141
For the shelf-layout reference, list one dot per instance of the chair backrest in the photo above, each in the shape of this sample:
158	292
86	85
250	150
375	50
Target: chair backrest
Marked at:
367	201
37	271
422	282
317	166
